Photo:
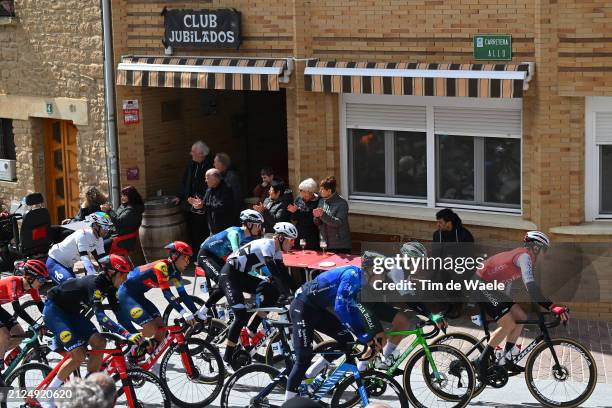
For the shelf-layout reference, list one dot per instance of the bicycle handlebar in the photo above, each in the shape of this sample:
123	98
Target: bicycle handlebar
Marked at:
433	333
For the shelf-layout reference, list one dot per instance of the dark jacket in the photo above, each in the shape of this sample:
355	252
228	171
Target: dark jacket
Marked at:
127	218
193	183
85	211
455	243
276	210
333	224
306	227
232	179
218	204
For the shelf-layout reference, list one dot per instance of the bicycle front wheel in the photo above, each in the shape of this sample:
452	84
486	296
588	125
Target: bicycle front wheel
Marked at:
26	378
379	389
444	380
245	388
206	380
568	384
148	390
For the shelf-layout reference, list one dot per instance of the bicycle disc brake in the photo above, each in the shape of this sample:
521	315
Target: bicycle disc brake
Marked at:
375	387
497	376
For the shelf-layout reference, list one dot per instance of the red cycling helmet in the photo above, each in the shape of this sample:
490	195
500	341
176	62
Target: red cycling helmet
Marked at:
116	262
177	248
35	267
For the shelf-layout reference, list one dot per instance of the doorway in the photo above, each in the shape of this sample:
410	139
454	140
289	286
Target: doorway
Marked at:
61	169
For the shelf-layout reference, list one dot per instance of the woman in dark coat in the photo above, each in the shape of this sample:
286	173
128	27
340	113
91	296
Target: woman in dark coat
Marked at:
127	218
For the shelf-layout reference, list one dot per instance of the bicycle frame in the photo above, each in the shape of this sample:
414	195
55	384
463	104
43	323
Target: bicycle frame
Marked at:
28	343
117	365
48	378
418	341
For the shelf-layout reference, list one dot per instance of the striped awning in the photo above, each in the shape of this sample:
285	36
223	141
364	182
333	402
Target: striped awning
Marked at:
419	79
244	74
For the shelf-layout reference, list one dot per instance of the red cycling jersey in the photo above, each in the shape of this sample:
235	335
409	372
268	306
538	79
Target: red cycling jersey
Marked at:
11	289
508	266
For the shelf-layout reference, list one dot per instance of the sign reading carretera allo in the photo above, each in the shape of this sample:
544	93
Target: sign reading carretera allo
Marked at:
202	28
493	47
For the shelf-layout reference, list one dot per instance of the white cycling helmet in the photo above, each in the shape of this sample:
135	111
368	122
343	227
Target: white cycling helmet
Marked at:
251	216
414	250
537	238
100	218
286	229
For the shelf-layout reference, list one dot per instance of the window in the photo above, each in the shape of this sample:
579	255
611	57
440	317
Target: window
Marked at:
7	8
446	151
598	161
7	140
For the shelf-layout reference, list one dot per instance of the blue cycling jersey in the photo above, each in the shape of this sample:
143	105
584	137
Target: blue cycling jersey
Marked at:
220	244
339	289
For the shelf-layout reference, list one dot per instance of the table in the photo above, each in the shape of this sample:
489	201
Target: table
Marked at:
310	260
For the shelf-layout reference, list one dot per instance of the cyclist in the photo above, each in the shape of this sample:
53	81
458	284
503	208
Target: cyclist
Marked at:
77	246
508	267
235	278
34	275
337	289
215	250
158	274
65	310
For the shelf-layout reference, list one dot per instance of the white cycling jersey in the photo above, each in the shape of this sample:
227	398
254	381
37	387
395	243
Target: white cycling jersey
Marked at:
68	251
253	254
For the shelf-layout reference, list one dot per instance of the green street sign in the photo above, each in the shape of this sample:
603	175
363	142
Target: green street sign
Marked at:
49	107
493	47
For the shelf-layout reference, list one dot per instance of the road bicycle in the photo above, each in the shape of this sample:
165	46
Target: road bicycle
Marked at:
137	388
559	372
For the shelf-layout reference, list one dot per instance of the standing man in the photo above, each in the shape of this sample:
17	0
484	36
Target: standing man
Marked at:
232	179
193	187
217	203
331	216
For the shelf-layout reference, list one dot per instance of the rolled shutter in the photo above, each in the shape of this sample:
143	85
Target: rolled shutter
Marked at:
603	127
373	116
477	122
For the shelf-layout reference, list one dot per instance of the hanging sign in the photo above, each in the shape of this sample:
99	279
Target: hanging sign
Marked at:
131	112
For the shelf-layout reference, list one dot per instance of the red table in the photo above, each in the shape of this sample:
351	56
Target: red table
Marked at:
338	260
310	260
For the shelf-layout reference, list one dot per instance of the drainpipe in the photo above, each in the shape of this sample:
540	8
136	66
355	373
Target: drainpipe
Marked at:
109	101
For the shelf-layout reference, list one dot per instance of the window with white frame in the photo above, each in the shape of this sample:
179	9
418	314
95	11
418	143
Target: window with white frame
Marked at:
598	174
434	151
7	140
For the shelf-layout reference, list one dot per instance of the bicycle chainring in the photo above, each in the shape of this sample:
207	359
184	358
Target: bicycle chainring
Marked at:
497	376
241	359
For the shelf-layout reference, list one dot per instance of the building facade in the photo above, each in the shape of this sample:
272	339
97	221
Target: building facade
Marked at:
51	101
388	97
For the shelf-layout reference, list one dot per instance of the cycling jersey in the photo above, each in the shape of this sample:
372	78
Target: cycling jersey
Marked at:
66	304
254	254
11	289
80	242
225	242
508	266
159	274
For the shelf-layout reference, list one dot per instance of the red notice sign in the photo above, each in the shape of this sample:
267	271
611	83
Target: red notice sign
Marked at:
131	112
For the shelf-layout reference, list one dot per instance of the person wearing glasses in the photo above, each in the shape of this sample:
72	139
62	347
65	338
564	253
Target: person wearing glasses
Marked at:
158	274
79	246
33	274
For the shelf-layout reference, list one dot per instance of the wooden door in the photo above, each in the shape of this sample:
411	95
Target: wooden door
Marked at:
61	169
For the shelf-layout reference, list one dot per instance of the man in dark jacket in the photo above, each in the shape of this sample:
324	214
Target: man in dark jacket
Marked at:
301	214
274	208
232	179
217	203
332	218
193	187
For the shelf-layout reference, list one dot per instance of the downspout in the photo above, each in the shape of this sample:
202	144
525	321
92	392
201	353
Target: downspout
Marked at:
109	102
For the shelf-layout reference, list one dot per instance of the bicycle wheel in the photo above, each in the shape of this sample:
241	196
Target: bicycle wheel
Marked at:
170	314
468	345
242	388
148	390
451	385
206	382
568	385
380	388
26	378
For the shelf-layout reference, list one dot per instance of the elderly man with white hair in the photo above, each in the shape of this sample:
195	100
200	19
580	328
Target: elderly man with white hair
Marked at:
192	190
301	214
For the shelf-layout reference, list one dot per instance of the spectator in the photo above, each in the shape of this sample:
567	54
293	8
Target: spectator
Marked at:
93	200
192	190
106	384
232	179
274	208
217	202
301	214
128	217
331	217
87	393
261	190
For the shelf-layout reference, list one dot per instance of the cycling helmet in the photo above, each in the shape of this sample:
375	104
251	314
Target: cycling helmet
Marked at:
368	257
414	250
251	216
537	238
100	218
116	262
177	248
286	229
34	267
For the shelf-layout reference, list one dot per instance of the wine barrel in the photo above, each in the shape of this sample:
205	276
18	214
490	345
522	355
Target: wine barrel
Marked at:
162	222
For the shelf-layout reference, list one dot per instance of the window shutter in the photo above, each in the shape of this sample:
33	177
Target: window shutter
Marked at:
603	127
386	117
477	122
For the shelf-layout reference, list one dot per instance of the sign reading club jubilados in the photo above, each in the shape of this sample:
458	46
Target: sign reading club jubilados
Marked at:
202	28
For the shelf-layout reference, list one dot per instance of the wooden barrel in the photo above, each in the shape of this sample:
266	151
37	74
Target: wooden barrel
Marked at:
162	223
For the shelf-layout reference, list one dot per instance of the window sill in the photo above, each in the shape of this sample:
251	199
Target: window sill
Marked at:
588	228
403	211
8	21
8	183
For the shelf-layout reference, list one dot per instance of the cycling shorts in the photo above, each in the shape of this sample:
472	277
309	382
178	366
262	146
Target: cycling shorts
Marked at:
211	264
70	330
496	304
135	307
58	272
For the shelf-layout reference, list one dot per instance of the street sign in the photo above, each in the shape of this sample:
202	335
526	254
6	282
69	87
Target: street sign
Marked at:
493	47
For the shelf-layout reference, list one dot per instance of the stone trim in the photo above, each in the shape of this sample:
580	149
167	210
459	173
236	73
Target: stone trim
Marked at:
588	228
24	107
